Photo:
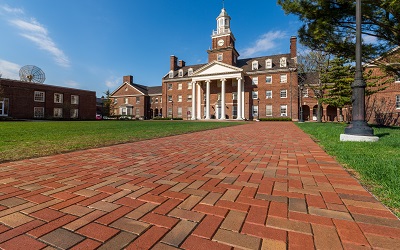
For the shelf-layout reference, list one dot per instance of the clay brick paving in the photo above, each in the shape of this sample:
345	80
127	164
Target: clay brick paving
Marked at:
254	186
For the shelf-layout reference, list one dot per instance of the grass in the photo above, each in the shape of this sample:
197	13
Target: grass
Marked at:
21	140
377	163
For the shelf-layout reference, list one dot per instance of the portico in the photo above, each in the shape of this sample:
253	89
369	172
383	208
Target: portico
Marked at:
219	74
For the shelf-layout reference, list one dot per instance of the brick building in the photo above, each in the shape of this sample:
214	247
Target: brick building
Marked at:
25	100
135	100
231	88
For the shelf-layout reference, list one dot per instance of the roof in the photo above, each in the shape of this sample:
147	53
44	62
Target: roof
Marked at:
157	90
141	88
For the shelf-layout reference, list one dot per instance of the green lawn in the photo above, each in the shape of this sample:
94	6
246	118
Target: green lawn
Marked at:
20	140
377	163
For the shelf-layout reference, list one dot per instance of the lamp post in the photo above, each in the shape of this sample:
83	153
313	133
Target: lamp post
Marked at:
301	102
358	130
258	109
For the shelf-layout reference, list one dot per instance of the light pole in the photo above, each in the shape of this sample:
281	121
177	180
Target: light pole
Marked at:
258	109
358	130
300	102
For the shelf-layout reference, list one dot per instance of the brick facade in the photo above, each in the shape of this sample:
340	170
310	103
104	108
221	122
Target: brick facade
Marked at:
24	100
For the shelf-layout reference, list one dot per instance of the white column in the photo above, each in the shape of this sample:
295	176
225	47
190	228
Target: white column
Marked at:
239	99
193	101
208	100
198	102
243	101
223	99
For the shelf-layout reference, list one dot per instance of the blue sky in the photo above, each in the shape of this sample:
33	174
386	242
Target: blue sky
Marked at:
92	44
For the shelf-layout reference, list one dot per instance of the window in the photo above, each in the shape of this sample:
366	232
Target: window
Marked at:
189	111
283	78
268	110
137	112
171	74
283	62
397	77
254	94
170	98
39	96
283	93
169	111
169	86
123	111
268	64
74	99
220	57
179	111
4	107
58	112
179	98
255	110
234	95
156	101
74	113
179	86
38	112
115	100
283	110
190	85
190	72
268	79
305	93
234	111
397	101
126	101
268	94
180	74
189	98
255	80
58	98
254	65
137	99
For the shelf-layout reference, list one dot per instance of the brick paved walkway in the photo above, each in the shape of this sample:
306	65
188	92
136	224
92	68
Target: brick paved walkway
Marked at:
256	186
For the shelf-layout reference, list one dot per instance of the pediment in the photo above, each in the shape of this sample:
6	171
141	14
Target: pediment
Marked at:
215	68
126	89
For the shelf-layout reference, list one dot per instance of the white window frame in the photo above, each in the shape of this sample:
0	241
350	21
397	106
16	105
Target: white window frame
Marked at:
283	78
126	100
268	94
74	113
4	107
189	98
268	64
74	99
283	93
254	65
156	100
255	110
268	110
137	99
268	78
234	96
255	80
397	78
170	98
137	114
169	86
283	62
220	57
283	108
38	112
171	74
190	85
180	73
254	95
234	111
58	98
58	112
190	72
179	86
179	98
179	112
39	96
305	92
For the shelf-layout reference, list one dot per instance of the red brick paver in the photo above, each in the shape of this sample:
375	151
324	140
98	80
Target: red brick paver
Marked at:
262	185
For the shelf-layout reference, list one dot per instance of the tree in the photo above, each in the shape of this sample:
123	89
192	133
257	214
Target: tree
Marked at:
311	66
107	105
329	25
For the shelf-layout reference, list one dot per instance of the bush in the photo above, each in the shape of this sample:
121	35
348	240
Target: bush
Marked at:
281	119
167	118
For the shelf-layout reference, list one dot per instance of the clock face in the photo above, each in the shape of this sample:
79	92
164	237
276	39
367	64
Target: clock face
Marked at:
221	42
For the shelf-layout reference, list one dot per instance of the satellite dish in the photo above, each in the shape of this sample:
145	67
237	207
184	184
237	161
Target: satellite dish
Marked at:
31	73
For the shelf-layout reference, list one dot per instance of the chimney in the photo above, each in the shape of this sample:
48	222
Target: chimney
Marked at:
128	79
181	64
173	62
293	47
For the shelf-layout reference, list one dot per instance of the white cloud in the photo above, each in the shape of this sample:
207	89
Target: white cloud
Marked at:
266	42
36	33
369	39
72	84
112	83
9	70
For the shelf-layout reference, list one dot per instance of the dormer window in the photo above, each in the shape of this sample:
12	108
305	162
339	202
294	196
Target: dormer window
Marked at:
254	65
220	57
190	72
171	74
283	62
397	77
180	74
268	64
